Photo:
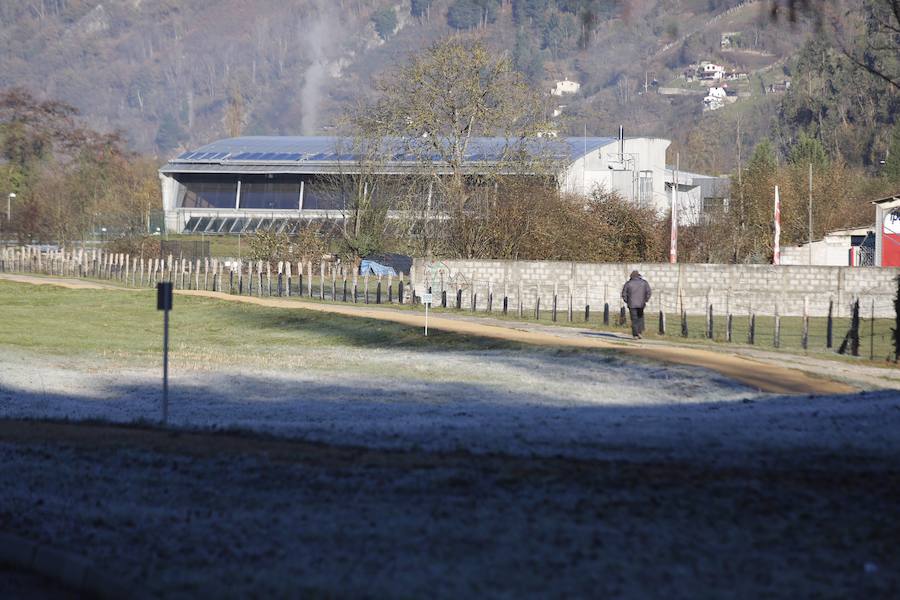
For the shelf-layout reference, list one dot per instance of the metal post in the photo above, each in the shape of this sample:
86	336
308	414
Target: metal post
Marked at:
165	406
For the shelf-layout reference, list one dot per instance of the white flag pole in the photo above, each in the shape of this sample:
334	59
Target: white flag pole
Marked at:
673	248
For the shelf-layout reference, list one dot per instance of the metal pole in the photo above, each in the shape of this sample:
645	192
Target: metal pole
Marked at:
426	319
165	406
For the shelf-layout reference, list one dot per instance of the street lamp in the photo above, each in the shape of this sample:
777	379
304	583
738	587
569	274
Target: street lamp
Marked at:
103	233
9	206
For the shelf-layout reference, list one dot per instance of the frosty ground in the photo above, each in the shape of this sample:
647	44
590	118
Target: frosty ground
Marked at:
321	466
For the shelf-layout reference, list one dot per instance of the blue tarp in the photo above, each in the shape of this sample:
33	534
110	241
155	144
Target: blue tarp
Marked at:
370	267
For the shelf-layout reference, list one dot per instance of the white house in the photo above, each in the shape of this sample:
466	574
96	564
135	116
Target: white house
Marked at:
711	71
851	247
565	87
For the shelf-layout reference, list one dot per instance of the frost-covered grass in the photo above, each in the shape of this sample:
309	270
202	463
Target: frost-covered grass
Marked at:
126	327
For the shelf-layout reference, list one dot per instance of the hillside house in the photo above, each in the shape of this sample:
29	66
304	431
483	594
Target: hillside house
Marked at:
565	87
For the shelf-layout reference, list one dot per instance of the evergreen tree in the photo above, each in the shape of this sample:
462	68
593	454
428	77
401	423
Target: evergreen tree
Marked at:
420	8
892	164
169	134
808	150
385	21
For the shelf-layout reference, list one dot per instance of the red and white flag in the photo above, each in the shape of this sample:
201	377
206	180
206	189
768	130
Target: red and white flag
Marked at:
776	256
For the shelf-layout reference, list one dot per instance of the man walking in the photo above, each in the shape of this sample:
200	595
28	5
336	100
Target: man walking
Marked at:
636	294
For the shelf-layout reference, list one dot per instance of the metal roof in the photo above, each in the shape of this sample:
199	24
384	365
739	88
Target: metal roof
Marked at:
272	154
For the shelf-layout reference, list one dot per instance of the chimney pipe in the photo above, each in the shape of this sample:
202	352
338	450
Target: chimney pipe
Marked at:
621	143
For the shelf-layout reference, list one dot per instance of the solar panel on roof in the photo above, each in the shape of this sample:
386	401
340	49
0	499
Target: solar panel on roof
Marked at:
185	156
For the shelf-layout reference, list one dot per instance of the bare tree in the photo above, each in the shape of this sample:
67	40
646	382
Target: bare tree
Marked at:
436	105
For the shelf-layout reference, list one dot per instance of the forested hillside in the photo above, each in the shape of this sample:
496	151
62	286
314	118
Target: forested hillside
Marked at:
174	73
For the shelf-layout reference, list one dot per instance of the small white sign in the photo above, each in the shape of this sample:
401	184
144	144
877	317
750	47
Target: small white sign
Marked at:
427	298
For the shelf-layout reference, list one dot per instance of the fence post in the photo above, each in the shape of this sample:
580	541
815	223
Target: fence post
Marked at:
490	299
400	291
555	295
623	319
355	288
378	291
333	283
366	288
587	303
709	322
662	315
872	333
829	331
777	340
519	299
259	270
268	278
804	338
571	308
321	279
606	313
751	334
309	279
684	323
458	297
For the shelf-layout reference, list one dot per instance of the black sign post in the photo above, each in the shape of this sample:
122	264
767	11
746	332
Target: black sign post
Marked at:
164	303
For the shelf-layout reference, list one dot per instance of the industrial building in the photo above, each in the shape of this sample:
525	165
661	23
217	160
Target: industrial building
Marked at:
243	184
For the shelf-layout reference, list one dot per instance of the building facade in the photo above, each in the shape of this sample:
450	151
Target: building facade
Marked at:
243	184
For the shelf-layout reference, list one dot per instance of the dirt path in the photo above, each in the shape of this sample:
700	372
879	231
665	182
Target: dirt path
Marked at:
765	377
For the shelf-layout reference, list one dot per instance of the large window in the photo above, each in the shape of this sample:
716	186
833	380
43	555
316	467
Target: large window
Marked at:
323	193
270	192
207	191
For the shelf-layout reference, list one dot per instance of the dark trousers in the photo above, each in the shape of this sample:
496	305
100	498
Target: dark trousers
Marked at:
637	320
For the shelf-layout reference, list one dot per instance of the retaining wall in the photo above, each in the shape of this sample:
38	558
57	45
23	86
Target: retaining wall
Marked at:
739	289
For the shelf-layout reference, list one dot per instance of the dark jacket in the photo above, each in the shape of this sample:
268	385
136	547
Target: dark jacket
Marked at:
636	293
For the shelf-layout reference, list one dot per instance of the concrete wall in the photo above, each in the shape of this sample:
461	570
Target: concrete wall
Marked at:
735	288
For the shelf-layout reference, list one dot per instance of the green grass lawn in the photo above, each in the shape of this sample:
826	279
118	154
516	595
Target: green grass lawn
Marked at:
125	326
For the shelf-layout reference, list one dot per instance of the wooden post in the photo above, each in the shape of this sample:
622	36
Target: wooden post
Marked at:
555	296
519	302
571	308
872	333
804	339
709	322
321	279
728	328
355	286
400	290
458	297
490	298
829	333
777	339
333	284
366	288
268	278
684	323
309	278
537	303
378	291
751	334
662	315
390	287
259	278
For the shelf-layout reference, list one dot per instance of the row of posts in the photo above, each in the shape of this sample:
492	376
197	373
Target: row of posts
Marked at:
286	279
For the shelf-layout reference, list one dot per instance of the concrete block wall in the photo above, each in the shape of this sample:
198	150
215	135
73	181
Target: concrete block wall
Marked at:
739	289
